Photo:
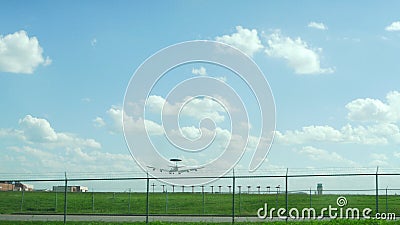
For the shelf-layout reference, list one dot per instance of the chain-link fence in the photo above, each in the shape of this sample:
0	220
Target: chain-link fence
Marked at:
231	196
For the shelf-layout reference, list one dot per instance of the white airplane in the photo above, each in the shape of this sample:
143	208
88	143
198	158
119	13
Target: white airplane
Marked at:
175	168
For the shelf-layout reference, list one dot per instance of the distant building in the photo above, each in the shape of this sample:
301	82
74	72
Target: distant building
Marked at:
70	188
6	186
23	187
15	186
319	189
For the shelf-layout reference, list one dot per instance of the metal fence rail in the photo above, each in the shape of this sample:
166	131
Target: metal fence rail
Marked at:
230	196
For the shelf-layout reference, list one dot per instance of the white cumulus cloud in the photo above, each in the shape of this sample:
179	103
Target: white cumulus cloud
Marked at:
198	108
374	110
378	134
316	25
309	134
200	71
297	53
20	53
39	131
244	39
317	154
379	159
395	26
381	126
131	124
99	122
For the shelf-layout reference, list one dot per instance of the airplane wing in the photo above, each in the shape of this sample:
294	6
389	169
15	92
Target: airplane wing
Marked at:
155	168
152	167
189	169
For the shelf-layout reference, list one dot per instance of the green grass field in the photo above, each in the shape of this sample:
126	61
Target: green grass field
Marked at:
177	203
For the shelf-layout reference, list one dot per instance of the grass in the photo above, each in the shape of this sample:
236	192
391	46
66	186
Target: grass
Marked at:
176	203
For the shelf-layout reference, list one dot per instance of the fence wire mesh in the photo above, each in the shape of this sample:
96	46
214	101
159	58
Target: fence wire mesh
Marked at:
239	195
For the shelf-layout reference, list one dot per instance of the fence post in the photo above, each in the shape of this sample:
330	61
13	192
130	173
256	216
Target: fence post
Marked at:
286	193
92	200
387	207
129	203
22	198
376	190
240	200
147	200
202	191
233	197
276	199
55	208
310	198
65	198
166	201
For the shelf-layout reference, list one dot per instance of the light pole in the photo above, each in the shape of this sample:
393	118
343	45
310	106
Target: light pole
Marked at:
278	188
277	192
240	198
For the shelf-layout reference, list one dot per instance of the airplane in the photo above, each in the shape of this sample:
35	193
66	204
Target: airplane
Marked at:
175	168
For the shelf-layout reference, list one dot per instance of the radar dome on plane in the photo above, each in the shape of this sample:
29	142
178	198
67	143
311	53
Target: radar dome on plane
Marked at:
175	160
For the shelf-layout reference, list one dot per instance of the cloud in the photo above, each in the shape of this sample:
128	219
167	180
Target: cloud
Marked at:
203	72
200	71
395	26
115	113
39	131
198	108
244	39
374	110
396	154
323	155
297	53
86	100
223	79
381	129
379	159
37	147
378	134
319	26
20	53
72	159
191	132
133	125
93	42
152	128
99	122
309	134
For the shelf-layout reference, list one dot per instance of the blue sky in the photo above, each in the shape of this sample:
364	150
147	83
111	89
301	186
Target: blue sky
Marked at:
332	67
